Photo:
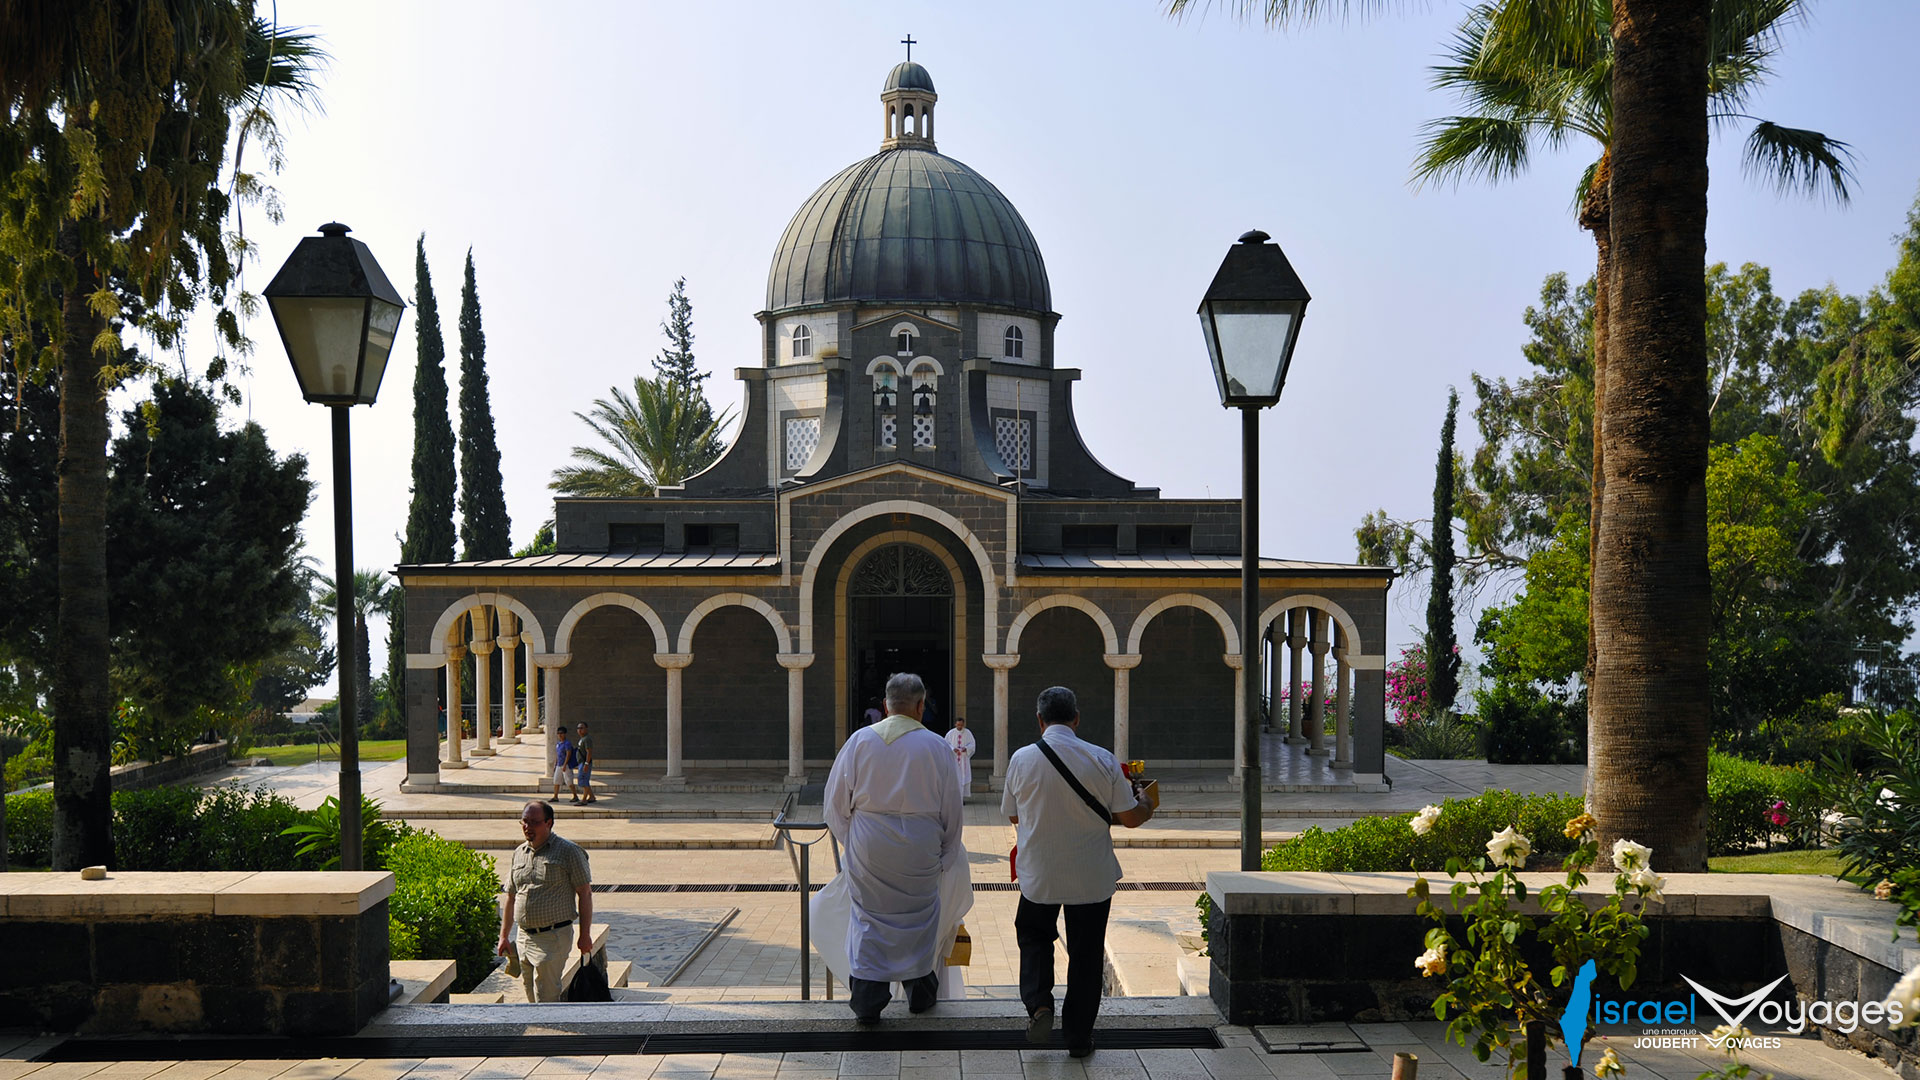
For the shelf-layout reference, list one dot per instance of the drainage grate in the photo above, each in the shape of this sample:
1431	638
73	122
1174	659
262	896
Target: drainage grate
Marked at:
757	1042
884	1039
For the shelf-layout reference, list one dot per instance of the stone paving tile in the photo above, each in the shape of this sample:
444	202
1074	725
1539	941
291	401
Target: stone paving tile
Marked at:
1232	1063
810	1060
140	1070
917	1059
985	1062
930	1072
65	1070
808	1074
442	1068
870	1063
505	1068
325	1069
750	1064
627	1067
1300	1067
194	1070
381	1069
1052	1065
1368	1064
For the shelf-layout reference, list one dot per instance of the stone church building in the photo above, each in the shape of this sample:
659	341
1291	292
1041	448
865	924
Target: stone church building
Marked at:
907	491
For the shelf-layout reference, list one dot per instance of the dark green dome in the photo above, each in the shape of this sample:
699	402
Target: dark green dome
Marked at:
911	227
908	76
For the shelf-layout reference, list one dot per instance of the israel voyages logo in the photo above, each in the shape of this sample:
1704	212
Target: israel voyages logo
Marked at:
1673	1023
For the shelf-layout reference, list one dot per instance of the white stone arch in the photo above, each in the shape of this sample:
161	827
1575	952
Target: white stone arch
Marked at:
1107	632
1355	657
883	363
563	640
989	584
914	365
1195	600
530	630
782	642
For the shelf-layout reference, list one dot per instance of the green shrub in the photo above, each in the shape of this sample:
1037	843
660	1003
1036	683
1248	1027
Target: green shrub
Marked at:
30	828
1388	843
1443	738
1879	832
318	834
1740	798
1525	727
244	828
159	829
448	897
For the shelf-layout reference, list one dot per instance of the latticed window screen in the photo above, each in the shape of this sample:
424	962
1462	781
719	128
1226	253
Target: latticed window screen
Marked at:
923	432
1013	437
889	431
803	435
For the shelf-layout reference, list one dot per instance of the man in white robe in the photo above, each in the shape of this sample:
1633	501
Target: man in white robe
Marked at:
894	804
961	742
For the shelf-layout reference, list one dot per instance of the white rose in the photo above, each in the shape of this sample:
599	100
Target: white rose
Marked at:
1433	961
1629	856
1422	822
1509	848
1649	883
1906	998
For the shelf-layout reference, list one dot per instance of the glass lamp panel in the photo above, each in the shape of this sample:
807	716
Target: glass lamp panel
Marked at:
322	336
1249	342
382	326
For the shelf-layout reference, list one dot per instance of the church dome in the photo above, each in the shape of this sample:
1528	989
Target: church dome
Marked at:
908	76
909	226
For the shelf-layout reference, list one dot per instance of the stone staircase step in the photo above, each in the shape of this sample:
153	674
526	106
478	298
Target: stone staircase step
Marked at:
619	972
477	998
1144	958
609	833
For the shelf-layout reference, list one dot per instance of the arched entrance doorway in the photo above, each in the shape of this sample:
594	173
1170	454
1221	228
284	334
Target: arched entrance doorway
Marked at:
900	618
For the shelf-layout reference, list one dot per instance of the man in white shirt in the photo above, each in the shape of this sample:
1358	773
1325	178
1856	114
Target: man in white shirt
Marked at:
961	741
893	803
1065	861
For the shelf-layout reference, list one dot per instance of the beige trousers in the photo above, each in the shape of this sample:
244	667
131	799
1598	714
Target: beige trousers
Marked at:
542	958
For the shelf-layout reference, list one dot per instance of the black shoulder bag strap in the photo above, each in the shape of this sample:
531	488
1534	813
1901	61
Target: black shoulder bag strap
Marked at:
1078	789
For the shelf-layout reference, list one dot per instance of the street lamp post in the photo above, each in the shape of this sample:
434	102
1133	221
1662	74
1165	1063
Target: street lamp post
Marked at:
1251	317
338	315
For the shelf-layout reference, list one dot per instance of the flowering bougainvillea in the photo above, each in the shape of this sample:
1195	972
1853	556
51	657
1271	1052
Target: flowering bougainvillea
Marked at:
1407	684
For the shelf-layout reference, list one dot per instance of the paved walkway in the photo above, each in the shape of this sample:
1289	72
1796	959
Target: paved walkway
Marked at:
1242	1056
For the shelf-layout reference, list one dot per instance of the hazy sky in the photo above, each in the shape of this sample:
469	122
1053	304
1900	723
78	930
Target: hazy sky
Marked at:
589	154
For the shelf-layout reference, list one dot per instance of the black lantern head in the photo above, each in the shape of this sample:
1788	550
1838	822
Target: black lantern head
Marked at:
1251	317
338	316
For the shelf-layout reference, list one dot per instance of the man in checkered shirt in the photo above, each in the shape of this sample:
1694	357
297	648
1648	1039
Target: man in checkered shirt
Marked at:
549	878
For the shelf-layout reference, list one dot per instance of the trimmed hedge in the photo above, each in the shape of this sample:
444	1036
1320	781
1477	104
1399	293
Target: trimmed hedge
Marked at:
1388	843
172	828
1741	793
445	905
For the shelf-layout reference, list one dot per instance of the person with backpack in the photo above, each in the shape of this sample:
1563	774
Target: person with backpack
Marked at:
1064	796
565	760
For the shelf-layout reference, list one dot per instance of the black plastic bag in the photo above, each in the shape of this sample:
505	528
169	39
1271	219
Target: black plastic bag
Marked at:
590	984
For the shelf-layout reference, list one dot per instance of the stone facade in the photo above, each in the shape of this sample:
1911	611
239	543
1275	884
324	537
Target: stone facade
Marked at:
727	622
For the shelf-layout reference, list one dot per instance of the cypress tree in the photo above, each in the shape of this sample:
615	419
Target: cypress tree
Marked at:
675	366
1443	662
483	503
430	515
429	536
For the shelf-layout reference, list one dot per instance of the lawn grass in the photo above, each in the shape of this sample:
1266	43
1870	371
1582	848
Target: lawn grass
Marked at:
1825	862
374	750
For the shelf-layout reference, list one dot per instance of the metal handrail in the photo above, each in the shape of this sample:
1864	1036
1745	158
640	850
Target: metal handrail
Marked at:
803	871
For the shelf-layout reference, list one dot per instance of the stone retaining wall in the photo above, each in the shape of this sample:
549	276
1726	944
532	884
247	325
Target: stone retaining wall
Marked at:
1311	948
227	953
146	774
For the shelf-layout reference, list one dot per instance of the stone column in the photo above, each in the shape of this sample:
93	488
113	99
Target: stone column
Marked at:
509	656
1239	666
1296	640
544	765
1276	673
1122	665
676	665
796	665
1002	664
483	691
456	655
1342	704
549	711
1317	711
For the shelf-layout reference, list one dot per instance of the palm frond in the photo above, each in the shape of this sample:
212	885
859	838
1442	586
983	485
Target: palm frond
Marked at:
1278	14
1458	148
1798	160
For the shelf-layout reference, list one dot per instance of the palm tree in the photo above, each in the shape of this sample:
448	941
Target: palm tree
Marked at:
374	593
1522	91
117	224
1647	703
654	439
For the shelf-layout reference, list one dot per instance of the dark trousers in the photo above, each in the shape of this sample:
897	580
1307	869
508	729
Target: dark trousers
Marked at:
1033	927
867	997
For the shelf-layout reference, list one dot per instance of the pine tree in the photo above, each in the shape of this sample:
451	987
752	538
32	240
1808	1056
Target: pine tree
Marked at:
1443	659
483	503
676	367
430	516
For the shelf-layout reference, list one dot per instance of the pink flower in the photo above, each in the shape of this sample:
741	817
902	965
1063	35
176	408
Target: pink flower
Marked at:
1778	814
